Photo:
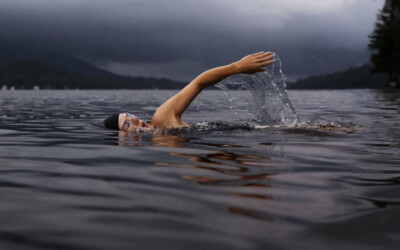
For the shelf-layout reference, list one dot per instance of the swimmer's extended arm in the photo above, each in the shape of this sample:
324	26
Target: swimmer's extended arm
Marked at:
171	111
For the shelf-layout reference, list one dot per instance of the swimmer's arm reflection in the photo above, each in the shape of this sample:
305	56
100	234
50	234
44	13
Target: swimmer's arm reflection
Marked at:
169	113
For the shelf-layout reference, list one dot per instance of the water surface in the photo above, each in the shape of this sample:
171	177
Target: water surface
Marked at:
66	184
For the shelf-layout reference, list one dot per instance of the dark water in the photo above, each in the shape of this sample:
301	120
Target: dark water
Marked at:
66	184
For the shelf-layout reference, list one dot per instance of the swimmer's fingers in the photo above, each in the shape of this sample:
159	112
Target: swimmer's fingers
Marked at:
262	55
266	63
258	53
254	63
265	58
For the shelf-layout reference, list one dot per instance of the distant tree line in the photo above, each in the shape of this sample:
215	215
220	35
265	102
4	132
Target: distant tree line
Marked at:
385	42
353	78
384	70
25	74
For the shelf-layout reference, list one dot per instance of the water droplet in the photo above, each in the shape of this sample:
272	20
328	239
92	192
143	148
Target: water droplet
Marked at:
269	103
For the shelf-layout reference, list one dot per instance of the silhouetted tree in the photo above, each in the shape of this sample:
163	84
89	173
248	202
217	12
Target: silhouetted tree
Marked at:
385	41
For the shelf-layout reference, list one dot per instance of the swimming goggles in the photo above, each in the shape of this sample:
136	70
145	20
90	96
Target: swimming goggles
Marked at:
127	124
130	115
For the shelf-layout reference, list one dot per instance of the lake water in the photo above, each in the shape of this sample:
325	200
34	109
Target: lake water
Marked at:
67	184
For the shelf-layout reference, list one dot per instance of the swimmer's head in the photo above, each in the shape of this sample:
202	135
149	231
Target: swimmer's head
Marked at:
111	122
125	122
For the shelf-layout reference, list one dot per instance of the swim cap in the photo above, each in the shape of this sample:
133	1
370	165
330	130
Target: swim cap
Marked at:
111	122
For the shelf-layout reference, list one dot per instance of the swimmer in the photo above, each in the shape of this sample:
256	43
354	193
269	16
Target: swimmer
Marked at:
169	114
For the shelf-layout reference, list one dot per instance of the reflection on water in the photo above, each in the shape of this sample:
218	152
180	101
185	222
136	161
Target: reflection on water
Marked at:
219	168
232	169
66	184
133	139
169	141
129	139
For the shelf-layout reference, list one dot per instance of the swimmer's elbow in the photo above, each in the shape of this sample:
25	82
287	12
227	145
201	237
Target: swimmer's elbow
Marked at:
204	80
199	83
215	75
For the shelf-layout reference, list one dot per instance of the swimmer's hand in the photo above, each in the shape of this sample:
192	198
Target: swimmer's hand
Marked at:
254	63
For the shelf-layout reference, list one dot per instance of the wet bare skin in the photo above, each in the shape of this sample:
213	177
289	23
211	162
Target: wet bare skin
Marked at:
168	115
129	124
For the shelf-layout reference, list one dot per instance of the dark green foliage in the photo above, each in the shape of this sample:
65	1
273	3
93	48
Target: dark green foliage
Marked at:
24	74
385	41
354	78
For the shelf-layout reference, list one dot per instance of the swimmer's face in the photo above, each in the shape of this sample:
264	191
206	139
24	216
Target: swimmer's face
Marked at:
128	122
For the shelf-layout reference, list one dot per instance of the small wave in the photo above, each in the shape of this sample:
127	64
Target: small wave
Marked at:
97	124
207	126
213	126
323	126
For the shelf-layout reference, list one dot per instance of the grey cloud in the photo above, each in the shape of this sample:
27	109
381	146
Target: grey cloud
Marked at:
158	32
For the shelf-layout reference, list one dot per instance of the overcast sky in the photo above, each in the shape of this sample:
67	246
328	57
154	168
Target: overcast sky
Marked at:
181	38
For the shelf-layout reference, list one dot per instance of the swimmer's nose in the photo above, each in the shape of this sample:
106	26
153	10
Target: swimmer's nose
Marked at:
135	120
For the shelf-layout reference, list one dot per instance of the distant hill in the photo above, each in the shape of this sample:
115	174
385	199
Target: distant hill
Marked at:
353	78
25	74
24	67
13	52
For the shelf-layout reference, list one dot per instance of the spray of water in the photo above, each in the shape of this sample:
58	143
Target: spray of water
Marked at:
270	103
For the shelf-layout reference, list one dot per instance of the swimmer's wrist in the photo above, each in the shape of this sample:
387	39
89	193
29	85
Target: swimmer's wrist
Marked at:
235	67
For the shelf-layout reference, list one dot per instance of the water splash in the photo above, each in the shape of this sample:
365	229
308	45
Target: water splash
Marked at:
270	103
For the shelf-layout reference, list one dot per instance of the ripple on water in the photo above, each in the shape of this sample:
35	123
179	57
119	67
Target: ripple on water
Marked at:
222	184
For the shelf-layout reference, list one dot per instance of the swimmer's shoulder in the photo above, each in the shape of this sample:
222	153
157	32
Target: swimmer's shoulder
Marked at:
168	124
